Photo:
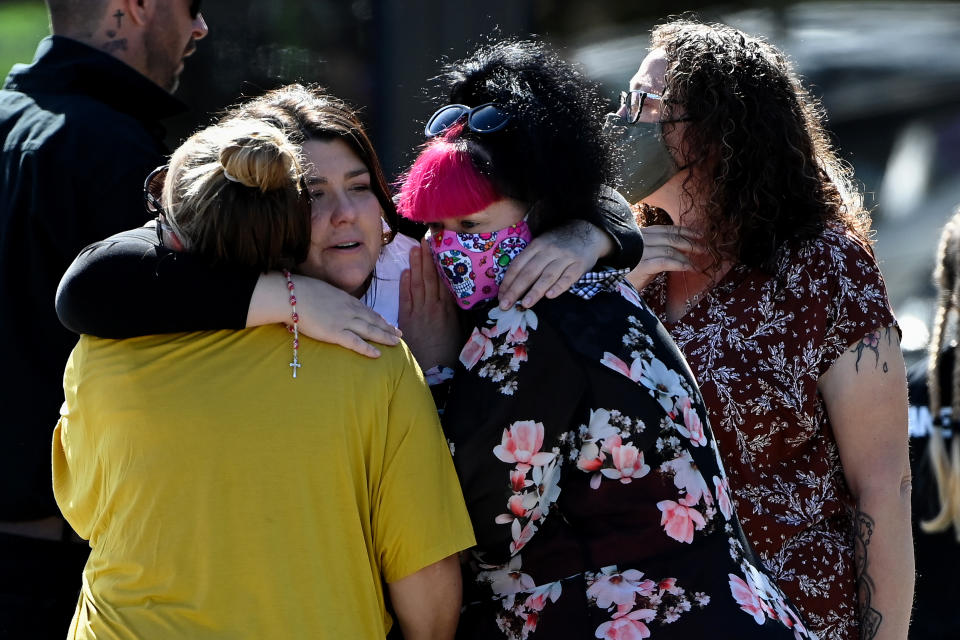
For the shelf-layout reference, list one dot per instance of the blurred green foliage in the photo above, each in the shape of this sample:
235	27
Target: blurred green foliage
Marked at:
22	24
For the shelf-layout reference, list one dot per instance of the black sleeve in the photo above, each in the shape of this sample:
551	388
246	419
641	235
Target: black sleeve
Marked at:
128	286
614	216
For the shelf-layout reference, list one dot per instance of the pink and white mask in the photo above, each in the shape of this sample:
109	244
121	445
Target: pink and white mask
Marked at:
473	264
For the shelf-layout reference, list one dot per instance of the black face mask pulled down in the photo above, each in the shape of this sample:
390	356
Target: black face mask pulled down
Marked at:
647	162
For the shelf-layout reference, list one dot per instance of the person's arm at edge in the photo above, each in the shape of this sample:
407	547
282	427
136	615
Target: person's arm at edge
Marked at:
427	602
127	286
866	397
615	217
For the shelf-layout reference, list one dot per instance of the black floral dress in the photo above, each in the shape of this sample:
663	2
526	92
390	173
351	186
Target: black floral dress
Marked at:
597	496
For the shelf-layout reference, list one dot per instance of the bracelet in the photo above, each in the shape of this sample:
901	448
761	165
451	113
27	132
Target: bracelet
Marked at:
293	329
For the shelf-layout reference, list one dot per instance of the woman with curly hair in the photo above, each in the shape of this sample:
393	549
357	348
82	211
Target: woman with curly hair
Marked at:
759	263
592	479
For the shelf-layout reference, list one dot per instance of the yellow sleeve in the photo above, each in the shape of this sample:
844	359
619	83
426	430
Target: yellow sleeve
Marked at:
419	513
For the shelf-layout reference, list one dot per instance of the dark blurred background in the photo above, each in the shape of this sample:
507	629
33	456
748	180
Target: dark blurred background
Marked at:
888	74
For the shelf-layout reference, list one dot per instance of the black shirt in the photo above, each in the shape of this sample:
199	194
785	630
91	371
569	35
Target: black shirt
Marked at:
80	131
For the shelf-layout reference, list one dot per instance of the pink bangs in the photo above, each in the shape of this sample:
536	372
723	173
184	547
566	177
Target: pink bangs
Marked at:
444	183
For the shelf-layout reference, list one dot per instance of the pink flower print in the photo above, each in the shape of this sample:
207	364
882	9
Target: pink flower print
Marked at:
621	589
547	479
799	631
518	335
679	406
530	621
762	586
537	602
521	536
520	505
628	292
537	599
628	463
519	355
611	443
723	496
679	521
510	321
479	347
686	477
591	458
508	579
747	598
521	444
667	584
633	372
628	627
595	480
692	427
599	427
663	382
515	505
518	480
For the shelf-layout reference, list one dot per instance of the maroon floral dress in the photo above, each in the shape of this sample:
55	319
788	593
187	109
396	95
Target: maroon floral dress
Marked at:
758	345
597	496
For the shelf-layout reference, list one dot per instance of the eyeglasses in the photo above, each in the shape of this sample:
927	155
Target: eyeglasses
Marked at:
152	193
637	104
194	9
485	118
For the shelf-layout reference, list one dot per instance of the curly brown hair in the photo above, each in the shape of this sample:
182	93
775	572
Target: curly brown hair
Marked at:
757	136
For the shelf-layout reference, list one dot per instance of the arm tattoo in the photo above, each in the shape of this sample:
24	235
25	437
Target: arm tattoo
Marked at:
870	618
871	342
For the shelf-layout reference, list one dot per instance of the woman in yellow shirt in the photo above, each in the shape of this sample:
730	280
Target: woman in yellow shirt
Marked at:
224	497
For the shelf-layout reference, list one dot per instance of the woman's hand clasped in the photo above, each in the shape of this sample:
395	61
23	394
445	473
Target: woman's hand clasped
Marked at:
428	315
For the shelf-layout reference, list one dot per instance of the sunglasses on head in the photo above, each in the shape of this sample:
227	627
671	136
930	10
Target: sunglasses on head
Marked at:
152	193
485	118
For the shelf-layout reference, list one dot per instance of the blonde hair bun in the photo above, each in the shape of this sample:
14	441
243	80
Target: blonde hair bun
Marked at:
258	155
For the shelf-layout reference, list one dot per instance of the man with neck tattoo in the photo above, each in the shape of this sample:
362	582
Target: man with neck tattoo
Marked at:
80	129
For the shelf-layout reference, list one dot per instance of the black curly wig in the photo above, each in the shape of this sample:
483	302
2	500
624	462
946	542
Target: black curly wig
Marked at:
757	136
553	153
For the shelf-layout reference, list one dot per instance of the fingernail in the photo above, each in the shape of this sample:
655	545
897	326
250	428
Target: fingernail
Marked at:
527	302
505	304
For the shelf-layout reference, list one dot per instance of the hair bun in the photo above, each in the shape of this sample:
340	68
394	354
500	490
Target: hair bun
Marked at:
258	155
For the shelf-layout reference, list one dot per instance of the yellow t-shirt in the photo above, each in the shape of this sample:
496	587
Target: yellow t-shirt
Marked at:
224	499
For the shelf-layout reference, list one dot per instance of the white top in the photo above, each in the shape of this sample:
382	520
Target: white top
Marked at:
383	296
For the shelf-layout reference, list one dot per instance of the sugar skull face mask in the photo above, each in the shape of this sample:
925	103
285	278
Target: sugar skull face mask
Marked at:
473	264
